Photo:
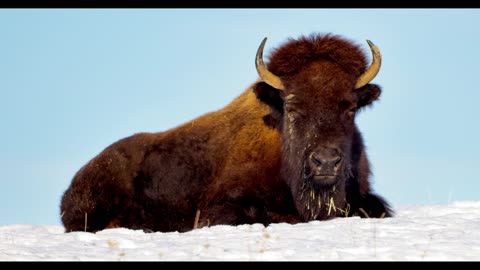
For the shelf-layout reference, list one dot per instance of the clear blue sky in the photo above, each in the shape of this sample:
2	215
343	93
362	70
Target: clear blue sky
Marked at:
75	81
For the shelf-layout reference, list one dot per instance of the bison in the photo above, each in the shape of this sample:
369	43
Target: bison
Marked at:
285	150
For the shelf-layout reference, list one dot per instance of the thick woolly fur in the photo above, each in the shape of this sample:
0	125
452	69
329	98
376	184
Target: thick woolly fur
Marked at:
245	163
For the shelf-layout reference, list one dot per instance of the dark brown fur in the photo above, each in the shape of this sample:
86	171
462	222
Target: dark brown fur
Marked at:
244	163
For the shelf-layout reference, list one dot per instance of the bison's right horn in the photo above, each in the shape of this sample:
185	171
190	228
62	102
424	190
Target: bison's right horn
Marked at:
264	73
372	71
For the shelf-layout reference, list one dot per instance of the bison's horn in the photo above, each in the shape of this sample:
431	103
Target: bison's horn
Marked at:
263	72
372	71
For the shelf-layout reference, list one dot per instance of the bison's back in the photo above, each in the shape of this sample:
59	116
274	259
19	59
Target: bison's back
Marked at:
157	181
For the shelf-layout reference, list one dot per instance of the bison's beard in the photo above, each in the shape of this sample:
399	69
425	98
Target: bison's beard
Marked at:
319	202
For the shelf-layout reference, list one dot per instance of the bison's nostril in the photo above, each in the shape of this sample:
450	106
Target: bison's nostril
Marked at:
338	165
315	159
337	162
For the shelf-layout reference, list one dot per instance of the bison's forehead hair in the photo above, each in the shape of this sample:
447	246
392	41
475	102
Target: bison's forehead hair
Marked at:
297	53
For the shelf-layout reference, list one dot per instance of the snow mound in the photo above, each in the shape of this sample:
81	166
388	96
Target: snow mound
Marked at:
435	232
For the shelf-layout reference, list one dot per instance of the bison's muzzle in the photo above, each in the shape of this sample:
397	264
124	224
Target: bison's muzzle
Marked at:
325	166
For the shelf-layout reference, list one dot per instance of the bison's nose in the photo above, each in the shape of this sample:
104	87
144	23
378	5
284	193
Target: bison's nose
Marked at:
325	162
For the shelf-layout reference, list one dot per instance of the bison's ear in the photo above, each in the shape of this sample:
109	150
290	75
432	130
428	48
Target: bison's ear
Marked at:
368	94
274	99
270	96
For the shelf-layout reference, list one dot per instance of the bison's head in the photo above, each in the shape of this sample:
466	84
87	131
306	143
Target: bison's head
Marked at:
315	86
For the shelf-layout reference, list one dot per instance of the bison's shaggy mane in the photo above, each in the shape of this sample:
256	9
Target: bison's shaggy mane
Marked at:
298	53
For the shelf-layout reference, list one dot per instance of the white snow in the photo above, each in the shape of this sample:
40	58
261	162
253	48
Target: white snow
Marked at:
435	232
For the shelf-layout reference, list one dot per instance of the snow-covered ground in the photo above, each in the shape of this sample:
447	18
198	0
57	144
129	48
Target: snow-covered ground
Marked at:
435	232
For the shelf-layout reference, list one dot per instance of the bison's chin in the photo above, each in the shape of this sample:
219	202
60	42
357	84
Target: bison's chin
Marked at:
325	180
321	198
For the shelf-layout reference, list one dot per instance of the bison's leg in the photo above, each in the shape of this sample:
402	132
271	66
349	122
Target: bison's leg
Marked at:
274	217
244	210
237	215
369	206
230	213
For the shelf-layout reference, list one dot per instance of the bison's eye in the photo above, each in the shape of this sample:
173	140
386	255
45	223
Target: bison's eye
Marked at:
293	114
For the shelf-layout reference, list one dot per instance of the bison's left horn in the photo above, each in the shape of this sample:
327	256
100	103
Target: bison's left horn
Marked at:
264	73
372	71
